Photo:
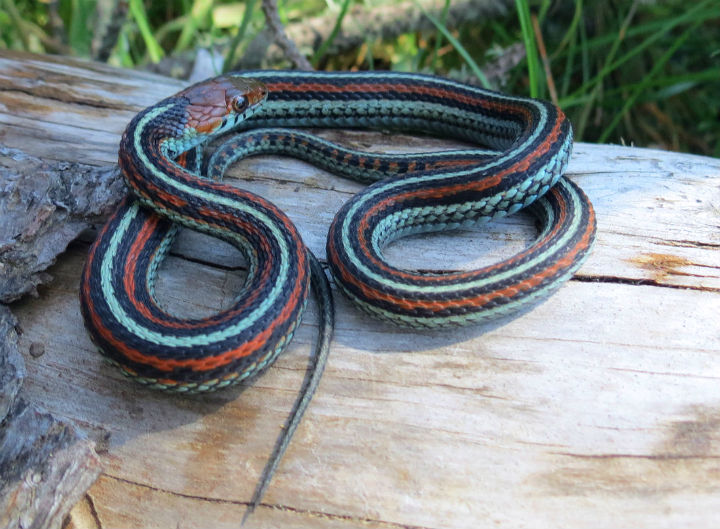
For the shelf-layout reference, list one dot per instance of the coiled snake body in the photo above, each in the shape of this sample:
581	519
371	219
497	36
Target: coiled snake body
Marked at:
522	150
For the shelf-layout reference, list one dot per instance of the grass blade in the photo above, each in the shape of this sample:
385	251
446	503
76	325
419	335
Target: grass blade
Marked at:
596	83
198	13
549	80
235	43
664	29
137	10
530	51
660	63
79	37
459	47
439	38
336	29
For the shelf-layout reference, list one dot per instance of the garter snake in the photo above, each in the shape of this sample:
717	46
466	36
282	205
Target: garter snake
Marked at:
522	149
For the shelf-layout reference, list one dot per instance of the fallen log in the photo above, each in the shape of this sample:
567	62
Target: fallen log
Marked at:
598	408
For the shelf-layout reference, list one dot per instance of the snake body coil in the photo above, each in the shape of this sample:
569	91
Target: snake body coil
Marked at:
524	146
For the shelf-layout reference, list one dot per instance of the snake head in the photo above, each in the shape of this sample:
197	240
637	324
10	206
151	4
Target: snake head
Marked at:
205	110
219	104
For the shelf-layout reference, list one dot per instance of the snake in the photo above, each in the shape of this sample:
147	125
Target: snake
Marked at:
517	152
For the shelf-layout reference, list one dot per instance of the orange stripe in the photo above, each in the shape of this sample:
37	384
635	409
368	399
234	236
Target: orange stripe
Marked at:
407	304
298	295
202	364
479	185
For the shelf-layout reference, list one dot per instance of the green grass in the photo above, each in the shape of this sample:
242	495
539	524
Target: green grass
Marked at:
138	14
631	71
320	53
528	39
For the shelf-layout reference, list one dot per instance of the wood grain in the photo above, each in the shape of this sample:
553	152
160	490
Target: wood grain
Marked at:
598	408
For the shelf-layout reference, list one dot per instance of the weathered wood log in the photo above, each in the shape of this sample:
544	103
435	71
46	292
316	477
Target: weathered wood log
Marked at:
599	408
12	367
46	465
45	206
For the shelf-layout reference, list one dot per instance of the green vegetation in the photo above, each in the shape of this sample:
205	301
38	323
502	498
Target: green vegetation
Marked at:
640	72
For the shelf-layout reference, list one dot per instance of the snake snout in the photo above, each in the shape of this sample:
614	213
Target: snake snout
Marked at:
216	105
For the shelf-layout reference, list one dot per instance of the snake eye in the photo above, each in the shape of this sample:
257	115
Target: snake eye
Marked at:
239	104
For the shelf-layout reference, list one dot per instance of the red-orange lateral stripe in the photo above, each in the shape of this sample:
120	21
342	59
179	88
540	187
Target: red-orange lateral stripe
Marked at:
371	293
200	364
480	300
479	185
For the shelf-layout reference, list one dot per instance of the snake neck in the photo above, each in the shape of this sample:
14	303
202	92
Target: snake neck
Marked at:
154	143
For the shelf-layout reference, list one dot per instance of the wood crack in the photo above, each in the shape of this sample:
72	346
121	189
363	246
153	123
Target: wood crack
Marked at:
661	373
586	278
651	457
276	506
93	510
211	264
275	180
687	244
